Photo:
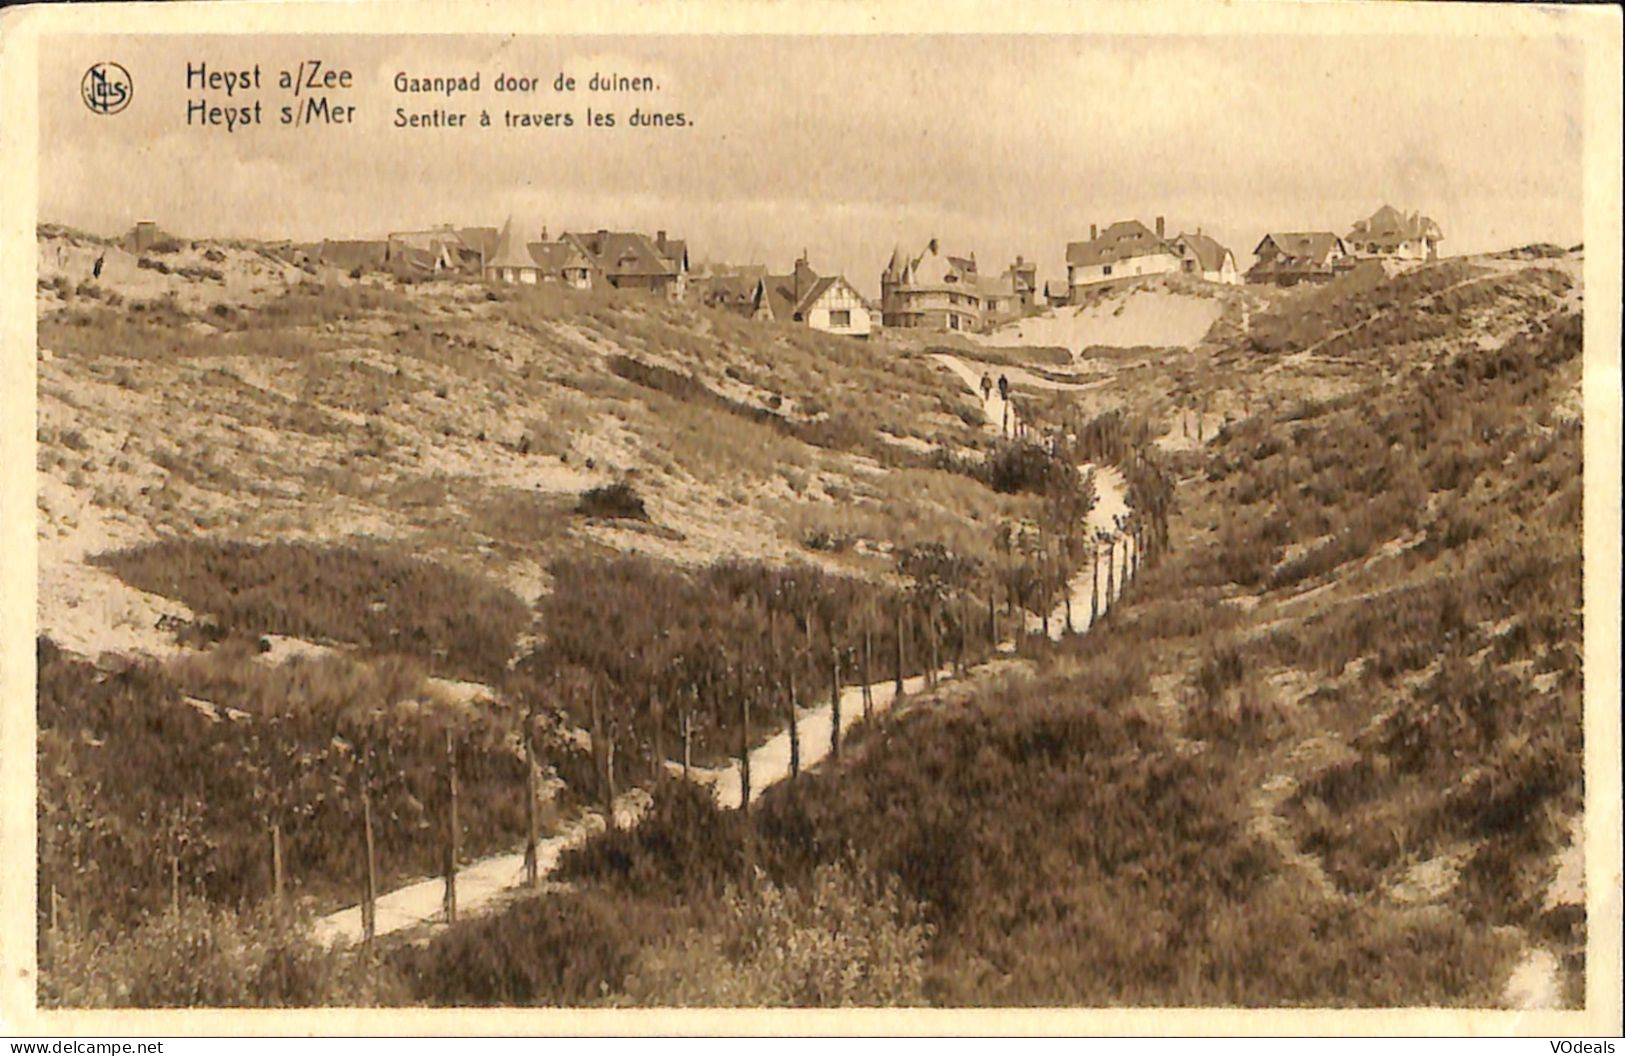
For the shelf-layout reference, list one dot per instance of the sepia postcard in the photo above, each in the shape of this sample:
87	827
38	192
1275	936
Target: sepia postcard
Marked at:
819	518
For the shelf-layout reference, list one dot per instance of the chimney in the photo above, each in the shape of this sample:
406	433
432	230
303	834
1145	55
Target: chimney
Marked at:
1094	232
660	239
1159	227
933	245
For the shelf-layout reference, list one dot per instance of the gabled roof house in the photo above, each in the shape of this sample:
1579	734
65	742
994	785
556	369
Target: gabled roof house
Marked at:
1288	257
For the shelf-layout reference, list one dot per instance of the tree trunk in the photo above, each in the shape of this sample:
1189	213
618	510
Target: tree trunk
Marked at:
1111	573
452	840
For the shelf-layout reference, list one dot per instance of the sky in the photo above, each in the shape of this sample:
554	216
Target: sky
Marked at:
843	146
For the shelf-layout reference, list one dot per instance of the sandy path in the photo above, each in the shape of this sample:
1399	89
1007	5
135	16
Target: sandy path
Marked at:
482	884
1111	495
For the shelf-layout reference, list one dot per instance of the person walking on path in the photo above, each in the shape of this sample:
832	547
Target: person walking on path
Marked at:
1004	388
987	387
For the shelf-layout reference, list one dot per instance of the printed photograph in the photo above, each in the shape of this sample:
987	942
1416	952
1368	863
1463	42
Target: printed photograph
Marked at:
976	520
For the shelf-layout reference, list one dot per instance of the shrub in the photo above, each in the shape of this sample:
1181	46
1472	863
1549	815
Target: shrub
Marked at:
207	957
562	948
619	500
843	939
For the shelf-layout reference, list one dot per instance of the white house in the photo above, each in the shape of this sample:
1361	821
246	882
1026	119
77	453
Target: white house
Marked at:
827	302
1202	255
1390	233
1125	249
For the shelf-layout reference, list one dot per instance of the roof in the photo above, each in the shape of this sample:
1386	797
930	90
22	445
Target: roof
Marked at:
509	251
674	250
935	268
1389	225
728	288
626	253
795	294
1120	241
554	257
1206	249
353	253
1057	288
1311	246
1003	286
482	240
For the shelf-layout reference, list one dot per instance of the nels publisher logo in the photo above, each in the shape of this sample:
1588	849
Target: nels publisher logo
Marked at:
107	88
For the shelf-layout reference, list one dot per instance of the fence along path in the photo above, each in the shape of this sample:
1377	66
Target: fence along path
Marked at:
481	885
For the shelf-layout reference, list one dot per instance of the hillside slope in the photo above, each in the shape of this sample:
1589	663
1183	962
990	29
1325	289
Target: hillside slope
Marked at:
312	537
1328	753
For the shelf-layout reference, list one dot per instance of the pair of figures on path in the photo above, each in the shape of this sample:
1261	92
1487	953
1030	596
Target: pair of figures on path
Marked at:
987	388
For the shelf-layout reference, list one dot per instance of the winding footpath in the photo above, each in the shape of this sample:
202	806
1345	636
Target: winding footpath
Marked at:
484	884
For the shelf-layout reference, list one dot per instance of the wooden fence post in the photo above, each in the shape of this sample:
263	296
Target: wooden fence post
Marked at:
834	700
609	774
1094	585
744	747
451	827
868	690
898	688
658	745
688	733
276	861
369	890
1044	596
597	737
795	727
533	874
1111	572
931	641
964	632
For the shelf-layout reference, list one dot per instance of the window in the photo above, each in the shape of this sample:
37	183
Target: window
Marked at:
1107	270
840	317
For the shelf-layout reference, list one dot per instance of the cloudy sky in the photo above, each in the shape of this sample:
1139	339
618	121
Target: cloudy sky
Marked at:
845	146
